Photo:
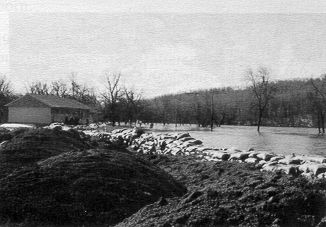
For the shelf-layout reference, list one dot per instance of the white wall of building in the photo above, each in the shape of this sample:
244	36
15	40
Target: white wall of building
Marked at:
35	115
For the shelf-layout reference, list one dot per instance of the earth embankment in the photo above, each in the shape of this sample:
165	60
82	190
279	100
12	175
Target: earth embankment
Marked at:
51	177
24	147
233	194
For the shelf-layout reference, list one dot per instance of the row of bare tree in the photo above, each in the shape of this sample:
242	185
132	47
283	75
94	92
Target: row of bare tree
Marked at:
72	90
263	102
318	99
264	91
116	103
262	99
120	103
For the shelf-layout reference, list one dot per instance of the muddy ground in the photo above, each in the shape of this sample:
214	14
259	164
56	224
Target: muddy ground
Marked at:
24	147
89	187
233	194
52	177
56	178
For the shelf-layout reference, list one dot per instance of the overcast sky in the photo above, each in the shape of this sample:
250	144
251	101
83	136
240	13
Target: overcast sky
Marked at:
160	47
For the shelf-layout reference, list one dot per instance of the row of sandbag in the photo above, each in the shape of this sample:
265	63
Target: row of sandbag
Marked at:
184	144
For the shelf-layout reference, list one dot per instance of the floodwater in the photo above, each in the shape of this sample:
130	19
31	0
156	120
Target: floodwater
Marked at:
279	140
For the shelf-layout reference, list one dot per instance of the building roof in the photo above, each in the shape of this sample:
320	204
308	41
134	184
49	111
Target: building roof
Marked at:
31	100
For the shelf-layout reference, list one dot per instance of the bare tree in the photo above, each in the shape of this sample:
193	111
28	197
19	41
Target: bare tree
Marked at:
112	94
6	95
262	89
133	100
39	88
86	95
74	86
81	93
318	100
5	87
74	90
59	88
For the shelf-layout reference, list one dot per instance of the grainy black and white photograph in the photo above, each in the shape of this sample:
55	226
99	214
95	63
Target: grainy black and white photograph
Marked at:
145	113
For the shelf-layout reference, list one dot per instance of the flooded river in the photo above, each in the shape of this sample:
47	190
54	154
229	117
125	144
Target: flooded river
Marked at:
280	140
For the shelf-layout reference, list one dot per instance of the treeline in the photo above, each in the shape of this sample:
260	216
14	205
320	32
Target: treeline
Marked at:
293	103
278	103
116	103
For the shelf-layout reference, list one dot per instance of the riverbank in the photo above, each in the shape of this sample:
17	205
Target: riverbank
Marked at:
279	140
130	178
182	144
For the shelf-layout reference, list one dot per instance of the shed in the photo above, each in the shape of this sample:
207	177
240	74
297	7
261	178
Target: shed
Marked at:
45	109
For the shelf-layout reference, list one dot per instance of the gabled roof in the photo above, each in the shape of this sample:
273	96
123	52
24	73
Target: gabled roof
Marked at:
31	100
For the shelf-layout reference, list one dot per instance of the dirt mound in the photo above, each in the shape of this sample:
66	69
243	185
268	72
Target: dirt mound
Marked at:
233	194
26	146
88	187
5	134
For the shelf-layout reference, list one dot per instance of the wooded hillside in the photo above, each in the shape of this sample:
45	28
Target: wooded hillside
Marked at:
295	103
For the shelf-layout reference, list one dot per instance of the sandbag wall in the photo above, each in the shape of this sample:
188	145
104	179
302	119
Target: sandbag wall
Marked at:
184	144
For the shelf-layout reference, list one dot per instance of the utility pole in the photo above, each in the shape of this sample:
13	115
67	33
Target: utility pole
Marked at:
176	115
212	110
